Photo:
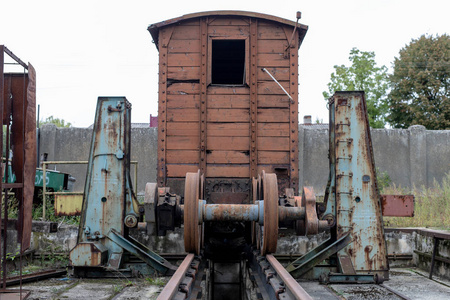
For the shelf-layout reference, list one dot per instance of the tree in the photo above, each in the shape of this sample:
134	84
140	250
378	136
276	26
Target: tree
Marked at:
363	75
420	84
58	122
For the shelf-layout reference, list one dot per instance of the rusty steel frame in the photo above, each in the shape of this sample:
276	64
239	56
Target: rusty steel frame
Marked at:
203	95
19	116
164	37
253	98
293	107
352	200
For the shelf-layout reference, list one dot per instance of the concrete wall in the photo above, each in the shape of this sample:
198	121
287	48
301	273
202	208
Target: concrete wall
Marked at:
413	156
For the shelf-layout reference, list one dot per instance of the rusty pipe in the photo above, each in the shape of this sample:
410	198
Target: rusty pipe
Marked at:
245	212
230	212
286	213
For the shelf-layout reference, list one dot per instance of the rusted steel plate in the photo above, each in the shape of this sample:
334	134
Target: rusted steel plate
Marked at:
68	205
29	166
397	205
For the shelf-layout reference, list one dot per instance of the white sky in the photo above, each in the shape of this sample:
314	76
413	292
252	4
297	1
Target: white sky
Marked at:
85	49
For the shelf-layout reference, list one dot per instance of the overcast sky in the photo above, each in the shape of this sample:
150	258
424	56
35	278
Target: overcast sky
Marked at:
85	49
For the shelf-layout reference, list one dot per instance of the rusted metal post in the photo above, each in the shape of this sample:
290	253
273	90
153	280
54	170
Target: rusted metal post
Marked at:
2	253
135	176
44	189
433	258
253	98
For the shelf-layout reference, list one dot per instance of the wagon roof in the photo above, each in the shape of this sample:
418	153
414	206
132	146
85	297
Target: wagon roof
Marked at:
154	28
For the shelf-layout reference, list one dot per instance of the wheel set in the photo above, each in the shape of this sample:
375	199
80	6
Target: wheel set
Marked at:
263	213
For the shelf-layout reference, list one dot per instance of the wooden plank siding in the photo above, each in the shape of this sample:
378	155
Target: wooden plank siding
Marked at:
273	104
227	118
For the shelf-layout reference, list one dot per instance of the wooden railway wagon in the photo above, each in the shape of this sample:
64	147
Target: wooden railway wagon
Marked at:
220	110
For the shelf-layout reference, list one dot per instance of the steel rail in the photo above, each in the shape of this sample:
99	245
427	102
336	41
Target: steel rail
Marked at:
172	286
291	284
395	292
35	277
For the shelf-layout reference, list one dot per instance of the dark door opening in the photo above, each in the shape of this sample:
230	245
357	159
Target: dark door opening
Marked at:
228	62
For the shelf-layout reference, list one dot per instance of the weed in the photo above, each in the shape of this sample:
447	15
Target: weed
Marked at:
117	289
155	281
383	180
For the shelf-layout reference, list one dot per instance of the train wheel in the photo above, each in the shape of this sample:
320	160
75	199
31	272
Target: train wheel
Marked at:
270	228
257	226
310	225
192	231
300	227
202	196
309	201
254	197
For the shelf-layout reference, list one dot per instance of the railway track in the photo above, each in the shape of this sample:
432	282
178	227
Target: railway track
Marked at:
264	277
260	277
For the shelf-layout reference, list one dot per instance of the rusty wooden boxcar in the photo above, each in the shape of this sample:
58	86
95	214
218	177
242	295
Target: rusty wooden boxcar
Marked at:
219	110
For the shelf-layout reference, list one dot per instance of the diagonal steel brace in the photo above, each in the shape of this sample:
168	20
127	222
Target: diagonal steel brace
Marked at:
151	258
305	263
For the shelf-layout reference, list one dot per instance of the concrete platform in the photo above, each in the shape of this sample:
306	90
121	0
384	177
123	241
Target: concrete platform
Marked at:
409	282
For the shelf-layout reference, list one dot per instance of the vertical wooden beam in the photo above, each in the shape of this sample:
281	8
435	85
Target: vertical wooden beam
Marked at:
164	38
293	107
203	95
253	97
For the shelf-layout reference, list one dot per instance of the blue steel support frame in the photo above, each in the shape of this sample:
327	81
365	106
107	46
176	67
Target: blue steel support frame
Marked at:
352	199
109	204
